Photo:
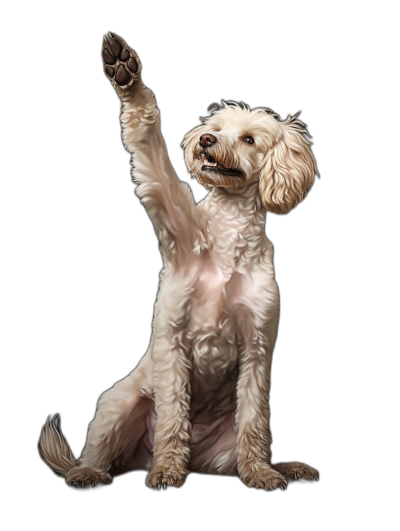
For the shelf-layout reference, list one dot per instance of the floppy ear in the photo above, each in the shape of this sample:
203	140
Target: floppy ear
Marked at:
289	168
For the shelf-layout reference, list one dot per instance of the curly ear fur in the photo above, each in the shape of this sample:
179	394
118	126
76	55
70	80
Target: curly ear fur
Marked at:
289	168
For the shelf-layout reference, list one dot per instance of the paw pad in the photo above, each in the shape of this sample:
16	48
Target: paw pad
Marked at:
119	62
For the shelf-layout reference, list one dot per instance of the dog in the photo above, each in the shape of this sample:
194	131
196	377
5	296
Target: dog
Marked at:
199	398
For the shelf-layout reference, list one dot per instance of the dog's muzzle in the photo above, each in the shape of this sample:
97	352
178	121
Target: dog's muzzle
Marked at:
212	161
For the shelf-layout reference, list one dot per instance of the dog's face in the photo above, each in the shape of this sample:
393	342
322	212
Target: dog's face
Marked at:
237	146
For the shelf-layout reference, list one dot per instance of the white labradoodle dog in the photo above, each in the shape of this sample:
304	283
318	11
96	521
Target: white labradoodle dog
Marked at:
199	398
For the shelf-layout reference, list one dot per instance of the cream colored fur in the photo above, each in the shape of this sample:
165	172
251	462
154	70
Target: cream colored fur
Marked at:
199	399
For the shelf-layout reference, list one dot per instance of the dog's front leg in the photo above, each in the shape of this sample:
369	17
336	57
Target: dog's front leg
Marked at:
252	415
171	450
168	201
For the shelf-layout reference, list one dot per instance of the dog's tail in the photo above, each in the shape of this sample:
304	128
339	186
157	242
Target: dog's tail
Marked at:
54	449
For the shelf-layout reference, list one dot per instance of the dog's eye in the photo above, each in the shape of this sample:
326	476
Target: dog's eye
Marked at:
249	139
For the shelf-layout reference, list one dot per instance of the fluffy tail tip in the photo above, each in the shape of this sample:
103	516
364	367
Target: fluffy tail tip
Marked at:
54	449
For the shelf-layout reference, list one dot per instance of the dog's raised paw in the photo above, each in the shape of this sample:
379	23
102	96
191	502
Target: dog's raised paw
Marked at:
82	476
121	63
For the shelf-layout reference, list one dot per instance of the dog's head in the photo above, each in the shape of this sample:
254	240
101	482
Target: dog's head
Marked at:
236	146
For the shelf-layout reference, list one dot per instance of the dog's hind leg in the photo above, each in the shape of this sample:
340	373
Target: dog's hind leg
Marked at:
120	422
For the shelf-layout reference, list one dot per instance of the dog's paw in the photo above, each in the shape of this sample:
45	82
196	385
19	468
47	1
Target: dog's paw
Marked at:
82	476
163	476
121	63
295	470
262	476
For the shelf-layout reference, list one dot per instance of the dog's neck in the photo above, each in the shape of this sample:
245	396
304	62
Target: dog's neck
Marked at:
245	199
235	223
247	190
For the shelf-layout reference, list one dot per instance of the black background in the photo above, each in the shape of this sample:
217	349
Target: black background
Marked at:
91	258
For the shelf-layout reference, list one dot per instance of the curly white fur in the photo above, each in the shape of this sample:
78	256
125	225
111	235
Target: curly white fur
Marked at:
199	399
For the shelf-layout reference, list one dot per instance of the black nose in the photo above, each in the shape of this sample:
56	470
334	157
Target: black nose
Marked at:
207	140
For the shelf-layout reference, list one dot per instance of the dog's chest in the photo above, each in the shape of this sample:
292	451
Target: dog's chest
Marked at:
214	283
212	322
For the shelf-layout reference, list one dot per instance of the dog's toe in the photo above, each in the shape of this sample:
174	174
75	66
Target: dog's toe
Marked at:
163	477
82	476
295	470
264	477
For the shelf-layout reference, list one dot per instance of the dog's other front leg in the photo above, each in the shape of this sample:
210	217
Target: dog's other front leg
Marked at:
257	331
171	451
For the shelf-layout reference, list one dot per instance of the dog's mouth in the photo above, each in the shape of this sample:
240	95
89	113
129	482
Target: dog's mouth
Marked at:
211	164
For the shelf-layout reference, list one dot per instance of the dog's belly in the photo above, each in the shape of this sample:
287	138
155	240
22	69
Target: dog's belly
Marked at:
213	446
212	415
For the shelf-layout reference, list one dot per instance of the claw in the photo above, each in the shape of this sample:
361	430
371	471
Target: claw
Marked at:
158	486
164	486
